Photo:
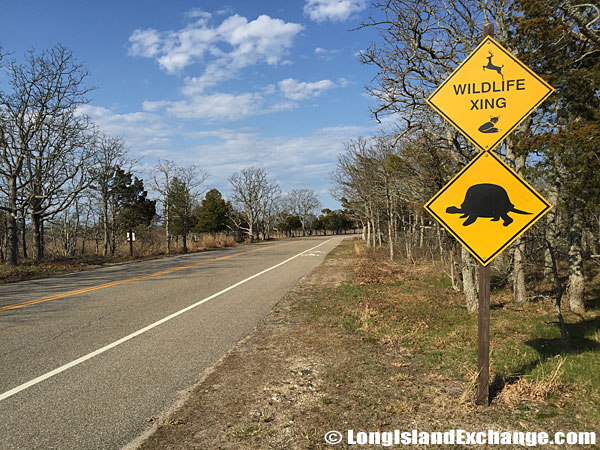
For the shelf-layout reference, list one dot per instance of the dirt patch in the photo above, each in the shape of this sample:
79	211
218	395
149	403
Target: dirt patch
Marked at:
324	360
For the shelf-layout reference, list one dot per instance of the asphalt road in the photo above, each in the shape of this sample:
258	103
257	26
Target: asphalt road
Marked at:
86	358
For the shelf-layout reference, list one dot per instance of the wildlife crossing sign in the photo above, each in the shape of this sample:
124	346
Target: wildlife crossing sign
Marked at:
486	206
489	95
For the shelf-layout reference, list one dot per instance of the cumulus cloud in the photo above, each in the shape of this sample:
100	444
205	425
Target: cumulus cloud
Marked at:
146	43
141	130
334	10
198	14
300	90
220	106
224	49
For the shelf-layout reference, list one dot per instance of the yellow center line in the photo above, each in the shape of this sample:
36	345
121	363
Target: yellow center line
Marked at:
129	280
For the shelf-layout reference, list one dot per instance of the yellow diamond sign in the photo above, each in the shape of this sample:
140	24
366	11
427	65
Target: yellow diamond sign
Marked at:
486	206
489	94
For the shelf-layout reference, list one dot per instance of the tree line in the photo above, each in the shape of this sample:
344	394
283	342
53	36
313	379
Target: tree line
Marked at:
61	176
385	180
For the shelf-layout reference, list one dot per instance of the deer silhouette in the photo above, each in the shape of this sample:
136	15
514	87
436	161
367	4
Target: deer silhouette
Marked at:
491	66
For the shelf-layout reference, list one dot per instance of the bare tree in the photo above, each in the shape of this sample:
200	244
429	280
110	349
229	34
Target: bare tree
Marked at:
183	194
39	132
58	169
162	178
303	203
251	190
110	154
269	209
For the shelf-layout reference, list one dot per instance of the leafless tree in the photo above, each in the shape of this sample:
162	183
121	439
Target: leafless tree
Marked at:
162	177
39	134
252	190
183	193
110	154
303	203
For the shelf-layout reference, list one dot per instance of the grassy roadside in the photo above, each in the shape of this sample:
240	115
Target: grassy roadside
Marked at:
367	345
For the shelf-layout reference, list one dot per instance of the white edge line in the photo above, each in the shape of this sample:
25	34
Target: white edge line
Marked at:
114	344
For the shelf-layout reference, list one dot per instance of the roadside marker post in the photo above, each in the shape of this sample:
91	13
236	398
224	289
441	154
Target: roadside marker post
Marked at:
483	311
487	205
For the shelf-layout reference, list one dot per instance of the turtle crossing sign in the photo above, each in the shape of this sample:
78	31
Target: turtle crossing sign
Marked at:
486	206
489	94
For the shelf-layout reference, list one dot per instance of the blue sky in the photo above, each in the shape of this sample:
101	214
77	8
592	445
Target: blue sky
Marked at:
223	85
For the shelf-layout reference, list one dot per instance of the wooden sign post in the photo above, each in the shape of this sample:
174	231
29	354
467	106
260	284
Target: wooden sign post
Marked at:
483	323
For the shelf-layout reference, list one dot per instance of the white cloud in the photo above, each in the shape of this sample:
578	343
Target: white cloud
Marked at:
198	14
140	130
145	43
300	90
220	106
225	49
334	10
326	54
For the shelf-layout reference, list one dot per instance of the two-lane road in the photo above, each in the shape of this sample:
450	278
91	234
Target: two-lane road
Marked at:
85	358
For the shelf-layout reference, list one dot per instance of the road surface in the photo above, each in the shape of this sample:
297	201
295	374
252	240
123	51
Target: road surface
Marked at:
87	358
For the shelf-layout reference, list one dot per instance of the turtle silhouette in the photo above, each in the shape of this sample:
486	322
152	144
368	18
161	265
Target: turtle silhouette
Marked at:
486	200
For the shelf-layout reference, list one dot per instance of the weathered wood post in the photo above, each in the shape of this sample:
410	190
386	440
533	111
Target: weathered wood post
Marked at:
483	325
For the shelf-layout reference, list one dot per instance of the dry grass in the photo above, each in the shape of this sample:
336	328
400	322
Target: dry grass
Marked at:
538	389
210	241
374	267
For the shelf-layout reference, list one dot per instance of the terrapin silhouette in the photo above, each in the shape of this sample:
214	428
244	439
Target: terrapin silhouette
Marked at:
486	200
490	127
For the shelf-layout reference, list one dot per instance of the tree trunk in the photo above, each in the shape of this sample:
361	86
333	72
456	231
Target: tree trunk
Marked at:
113	233
421	231
470	283
24	233
390	240
518	249
374	233
550	231
36	222
576	288
105	225
519	292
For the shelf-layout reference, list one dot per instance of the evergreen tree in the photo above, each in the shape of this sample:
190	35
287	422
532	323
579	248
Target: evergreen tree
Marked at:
213	213
132	207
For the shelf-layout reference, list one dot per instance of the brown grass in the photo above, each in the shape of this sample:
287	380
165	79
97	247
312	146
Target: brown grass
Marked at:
537	390
374	267
210	241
